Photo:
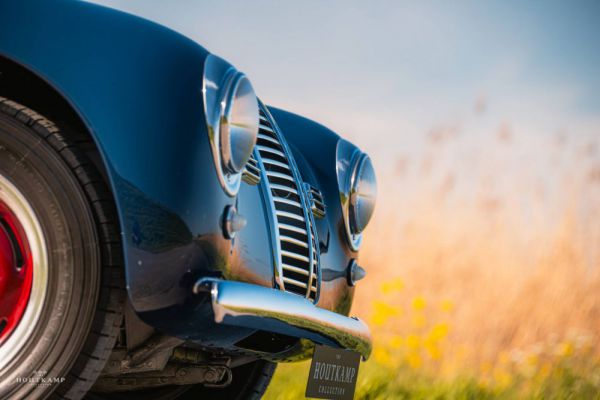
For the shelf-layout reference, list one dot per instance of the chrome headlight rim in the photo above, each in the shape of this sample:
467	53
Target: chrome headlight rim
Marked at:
349	167
220	86
364	173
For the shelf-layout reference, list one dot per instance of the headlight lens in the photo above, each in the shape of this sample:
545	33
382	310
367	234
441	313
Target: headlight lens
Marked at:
239	126
362	195
231	111
358	190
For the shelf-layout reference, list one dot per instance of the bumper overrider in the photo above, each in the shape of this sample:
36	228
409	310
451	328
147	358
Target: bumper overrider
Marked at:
257	307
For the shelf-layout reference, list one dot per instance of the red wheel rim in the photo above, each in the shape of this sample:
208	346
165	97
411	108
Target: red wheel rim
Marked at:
16	271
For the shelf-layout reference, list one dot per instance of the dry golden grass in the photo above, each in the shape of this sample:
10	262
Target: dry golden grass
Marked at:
485	266
501	281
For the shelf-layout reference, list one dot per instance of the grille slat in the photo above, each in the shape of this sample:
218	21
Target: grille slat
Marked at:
289	215
265	127
295	269
262	136
281	187
280	175
264	149
289	239
288	201
295	256
293	229
276	163
294	282
298	259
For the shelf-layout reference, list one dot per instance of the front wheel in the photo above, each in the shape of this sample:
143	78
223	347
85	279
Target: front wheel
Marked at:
61	274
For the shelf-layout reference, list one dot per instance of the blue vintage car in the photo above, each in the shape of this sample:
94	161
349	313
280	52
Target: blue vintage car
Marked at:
164	234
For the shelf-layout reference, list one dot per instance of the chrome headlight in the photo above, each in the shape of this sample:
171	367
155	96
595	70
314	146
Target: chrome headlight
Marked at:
231	111
358	190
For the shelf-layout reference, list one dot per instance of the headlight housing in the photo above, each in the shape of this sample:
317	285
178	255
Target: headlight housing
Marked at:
358	190
231	111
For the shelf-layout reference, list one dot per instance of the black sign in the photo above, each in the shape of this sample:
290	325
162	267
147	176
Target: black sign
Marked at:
333	373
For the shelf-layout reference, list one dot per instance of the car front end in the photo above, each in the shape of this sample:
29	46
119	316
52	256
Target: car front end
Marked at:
222	234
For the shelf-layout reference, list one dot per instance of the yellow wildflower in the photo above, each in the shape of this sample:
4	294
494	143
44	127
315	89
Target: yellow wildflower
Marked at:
566	349
439	331
532	360
433	349
414	360
486	367
502	377
383	312
447	306
504	358
396	342
383	357
413	341
418	303
544	372
395	285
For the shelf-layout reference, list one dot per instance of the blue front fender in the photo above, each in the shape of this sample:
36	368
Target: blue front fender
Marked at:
137	87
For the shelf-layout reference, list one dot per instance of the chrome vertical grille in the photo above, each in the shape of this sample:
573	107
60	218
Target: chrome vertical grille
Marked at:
298	257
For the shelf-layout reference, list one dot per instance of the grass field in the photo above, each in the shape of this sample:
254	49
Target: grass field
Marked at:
483	275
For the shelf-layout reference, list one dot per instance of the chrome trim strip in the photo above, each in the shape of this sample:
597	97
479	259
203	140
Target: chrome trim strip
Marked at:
287	201
270	150
295	256
280	175
315	270
292	240
276	163
267	138
281	187
266	128
347	160
295	269
292	228
295	282
273	223
288	215
287	313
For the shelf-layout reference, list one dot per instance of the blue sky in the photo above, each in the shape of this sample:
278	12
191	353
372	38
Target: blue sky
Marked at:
385	73
483	102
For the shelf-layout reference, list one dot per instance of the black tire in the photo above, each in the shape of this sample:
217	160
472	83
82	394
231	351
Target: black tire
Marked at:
82	311
250	381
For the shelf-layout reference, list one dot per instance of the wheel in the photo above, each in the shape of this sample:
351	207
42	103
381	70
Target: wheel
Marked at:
249	382
61	273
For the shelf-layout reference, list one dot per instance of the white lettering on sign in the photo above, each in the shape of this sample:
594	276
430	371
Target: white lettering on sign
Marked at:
333	372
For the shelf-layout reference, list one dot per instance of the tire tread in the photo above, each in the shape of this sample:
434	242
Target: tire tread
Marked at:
109	309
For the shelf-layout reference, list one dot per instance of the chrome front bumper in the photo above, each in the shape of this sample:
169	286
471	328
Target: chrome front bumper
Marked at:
252	306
